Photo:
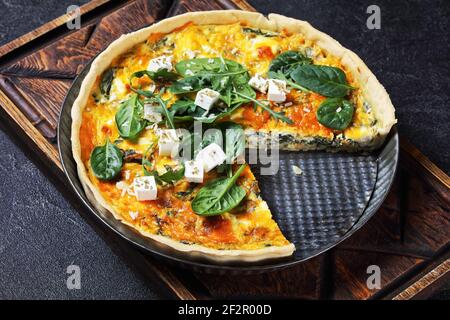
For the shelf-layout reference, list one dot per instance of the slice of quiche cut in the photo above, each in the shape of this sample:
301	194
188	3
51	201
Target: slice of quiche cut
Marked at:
248	232
278	79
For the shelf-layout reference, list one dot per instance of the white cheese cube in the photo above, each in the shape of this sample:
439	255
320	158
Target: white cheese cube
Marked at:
162	62
259	83
193	171
151	114
211	156
206	98
168	142
277	90
145	188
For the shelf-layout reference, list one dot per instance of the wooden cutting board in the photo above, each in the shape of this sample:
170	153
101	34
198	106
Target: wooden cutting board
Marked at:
408	238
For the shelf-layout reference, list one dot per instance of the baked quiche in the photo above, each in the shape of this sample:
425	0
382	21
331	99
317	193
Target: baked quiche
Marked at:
278	81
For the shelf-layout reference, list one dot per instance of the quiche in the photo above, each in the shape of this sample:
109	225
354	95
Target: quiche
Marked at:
275	81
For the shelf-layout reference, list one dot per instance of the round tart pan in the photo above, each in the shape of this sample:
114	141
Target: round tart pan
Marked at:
336	194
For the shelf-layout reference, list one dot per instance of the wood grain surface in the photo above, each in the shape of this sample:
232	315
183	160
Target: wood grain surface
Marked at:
407	237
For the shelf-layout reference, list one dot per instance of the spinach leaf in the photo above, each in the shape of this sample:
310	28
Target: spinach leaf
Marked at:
105	84
219	74
184	110
327	81
162	75
335	113
259	32
145	93
167	114
171	176
189	84
219	196
129	119
241	92
106	161
217	114
209	66
287	61
183	107
225	76
157	99
274	114
282	66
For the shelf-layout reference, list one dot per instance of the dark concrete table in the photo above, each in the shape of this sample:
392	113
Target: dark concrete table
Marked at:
41	234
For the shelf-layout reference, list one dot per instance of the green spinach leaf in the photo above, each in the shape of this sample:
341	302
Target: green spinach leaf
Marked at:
208	66
105	84
184	110
145	93
189	84
221	75
335	113
167	114
287	61
162	75
327	81
129	118
274	114
219	196
171	176
106	161
259	32
282	66
224	76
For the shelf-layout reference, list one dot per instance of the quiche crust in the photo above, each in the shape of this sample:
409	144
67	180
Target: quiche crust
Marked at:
373	92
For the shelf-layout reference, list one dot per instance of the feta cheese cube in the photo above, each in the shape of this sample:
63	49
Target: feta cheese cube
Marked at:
277	90
211	156
151	114
162	62
206	98
145	188
168	142
259	83
193	171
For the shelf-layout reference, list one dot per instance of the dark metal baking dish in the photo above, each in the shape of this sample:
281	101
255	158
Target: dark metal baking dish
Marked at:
336	195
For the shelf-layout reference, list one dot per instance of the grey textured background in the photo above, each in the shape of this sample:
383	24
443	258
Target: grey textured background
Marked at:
41	233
